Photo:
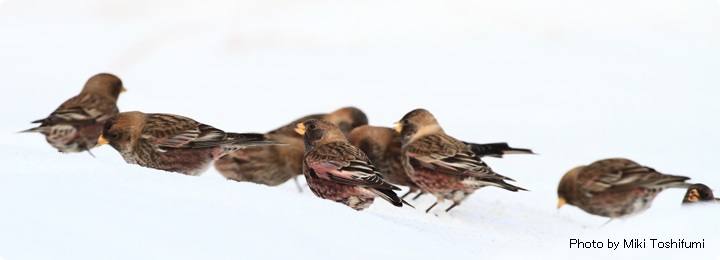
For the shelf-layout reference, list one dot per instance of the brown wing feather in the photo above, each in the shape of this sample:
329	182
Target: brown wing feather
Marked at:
617	174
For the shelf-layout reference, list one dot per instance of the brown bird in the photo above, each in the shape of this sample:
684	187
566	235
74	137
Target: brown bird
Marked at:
382	145
699	193
274	165
171	142
440	164
268	165
614	187
75	125
335	170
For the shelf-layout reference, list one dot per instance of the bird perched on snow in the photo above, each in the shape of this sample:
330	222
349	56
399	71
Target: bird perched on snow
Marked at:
335	170
382	145
699	193
269	165
615	187
440	164
171	142
75	125
274	165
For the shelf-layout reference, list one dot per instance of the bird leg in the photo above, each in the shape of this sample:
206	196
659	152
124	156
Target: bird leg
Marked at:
419	194
452	206
405	195
91	154
433	205
297	183
607	222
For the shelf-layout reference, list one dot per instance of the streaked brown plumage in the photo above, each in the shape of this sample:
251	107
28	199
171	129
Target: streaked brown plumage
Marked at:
171	142
383	146
614	187
440	164
699	193
274	165
335	170
75	125
268	165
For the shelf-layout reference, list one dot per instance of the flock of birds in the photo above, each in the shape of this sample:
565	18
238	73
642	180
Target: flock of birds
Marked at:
342	158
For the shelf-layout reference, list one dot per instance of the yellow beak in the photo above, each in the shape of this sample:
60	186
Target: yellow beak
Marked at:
398	127
101	141
561	202
300	128
694	196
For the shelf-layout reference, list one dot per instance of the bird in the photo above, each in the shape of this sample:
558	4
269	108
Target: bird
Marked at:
171	142
274	165
335	170
698	193
270	165
442	165
383	146
615	187
75	125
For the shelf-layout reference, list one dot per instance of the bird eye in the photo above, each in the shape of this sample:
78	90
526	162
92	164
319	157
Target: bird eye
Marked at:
312	127
114	136
406	122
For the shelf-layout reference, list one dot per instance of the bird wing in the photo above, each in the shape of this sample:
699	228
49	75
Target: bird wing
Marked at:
619	175
495	149
173	131
345	168
443	153
83	109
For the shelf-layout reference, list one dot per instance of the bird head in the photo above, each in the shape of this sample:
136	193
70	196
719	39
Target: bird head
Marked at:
318	131
416	124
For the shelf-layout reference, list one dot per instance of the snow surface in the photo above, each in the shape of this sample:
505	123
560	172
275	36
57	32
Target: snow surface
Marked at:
577	81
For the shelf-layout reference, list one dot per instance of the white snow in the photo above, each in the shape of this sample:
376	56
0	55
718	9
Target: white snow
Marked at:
575	81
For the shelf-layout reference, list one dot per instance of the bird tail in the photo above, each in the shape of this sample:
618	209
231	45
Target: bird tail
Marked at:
246	140
497	182
38	129
496	149
674	181
390	196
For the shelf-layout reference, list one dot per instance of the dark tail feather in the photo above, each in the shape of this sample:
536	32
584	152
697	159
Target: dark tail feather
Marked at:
674	181
246	140
511	187
33	130
42	121
390	196
238	141
500	183
496	149
38	129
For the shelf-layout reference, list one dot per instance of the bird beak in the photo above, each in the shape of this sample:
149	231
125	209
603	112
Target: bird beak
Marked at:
561	202
101	141
398	127
122	89
300	128
694	195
